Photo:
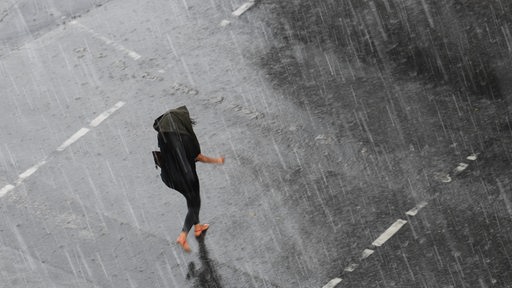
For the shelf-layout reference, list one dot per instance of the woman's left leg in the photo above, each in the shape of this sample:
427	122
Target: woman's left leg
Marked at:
191	193
193	205
192	218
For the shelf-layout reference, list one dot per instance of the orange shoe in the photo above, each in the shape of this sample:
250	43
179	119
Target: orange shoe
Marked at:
182	240
199	228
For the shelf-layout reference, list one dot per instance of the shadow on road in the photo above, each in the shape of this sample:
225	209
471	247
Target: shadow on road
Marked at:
207	275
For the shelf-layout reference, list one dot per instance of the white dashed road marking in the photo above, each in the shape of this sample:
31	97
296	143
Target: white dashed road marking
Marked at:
393	229
224	23
366	253
351	267
73	139
79	134
461	167
6	189
134	55
471	157
97	121
30	171
241	10
389	232
333	283
416	209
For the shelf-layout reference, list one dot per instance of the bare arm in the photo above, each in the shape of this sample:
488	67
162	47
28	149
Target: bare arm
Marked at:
206	159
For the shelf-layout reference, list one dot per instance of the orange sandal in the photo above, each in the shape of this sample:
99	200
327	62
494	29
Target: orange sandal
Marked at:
199	228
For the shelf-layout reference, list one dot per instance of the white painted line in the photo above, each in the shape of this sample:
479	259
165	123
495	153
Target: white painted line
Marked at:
6	189
224	23
366	253
461	167
416	209
73	139
241	10
30	171
395	227
389	232
108	41
97	121
332	283
351	267
94	123
472	157
132	54
446	179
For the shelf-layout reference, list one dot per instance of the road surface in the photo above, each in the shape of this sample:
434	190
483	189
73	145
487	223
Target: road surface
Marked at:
351	161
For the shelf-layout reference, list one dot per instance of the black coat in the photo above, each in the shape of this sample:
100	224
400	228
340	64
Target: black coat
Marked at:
179	148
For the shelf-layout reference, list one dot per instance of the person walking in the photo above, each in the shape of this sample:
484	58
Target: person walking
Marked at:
179	152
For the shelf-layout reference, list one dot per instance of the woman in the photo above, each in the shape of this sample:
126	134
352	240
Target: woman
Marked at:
179	151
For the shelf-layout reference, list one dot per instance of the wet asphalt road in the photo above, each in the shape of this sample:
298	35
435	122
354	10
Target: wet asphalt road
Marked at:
326	146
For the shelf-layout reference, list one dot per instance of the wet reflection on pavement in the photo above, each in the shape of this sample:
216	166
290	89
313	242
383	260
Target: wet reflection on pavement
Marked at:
206	275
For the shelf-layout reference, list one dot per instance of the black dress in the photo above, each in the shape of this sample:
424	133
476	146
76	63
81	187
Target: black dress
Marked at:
179	148
179	152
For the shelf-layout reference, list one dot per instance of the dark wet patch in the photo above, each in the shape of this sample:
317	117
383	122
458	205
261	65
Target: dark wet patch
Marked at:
419	92
207	275
334	60
453	42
